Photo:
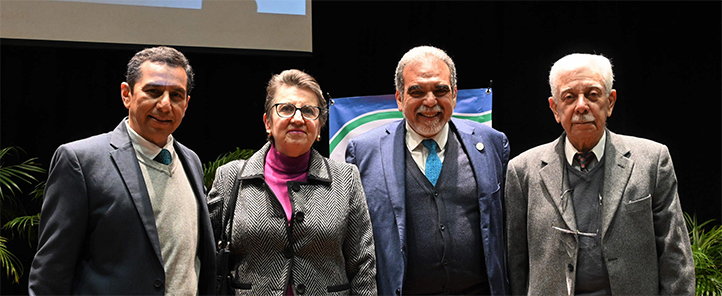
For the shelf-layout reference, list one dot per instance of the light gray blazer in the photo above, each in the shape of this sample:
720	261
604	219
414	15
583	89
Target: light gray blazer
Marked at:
645	241
332	246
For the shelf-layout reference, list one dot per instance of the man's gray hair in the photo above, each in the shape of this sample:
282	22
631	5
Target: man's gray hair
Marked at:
596	63
421	53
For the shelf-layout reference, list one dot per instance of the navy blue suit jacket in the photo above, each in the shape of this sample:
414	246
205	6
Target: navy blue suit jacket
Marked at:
97	229
379	155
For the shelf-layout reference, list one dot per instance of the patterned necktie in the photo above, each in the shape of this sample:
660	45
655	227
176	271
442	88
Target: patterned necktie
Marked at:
433	163
584	160
163	157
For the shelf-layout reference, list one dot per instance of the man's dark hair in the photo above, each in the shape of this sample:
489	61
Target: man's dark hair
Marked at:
160	54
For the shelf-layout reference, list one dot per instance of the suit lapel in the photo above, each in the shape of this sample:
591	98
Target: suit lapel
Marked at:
553	179
392	150
472	144
190	168
477	155
205	236
617	170
127	163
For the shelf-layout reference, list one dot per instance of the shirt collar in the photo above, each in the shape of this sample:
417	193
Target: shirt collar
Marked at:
570	151
148	148
413	139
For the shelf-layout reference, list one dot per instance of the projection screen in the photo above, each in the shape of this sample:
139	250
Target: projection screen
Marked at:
244	24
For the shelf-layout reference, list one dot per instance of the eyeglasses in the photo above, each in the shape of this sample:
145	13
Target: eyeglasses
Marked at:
564	202
575	232
286	110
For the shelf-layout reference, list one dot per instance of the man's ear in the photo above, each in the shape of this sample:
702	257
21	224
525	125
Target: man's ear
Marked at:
400	101
453	100
188	100
125	93
612	100
553	107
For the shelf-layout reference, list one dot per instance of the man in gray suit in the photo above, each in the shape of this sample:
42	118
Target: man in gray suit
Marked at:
594	212
125	211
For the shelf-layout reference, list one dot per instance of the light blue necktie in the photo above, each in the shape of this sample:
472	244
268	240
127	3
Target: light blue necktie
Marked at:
433	163
163	157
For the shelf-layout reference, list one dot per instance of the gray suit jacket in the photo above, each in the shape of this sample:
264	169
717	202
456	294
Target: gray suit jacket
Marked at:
97	231
644	239
326	248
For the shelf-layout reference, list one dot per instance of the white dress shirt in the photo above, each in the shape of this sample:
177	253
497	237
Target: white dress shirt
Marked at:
419	152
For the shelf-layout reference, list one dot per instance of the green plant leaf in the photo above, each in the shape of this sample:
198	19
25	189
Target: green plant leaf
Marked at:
707	253
13	174
12	265
209	169
24	225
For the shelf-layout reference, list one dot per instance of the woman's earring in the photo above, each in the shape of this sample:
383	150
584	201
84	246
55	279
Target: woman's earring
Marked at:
318	139
269	132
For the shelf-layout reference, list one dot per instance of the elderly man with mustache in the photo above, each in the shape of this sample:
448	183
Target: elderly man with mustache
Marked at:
433	187
594	212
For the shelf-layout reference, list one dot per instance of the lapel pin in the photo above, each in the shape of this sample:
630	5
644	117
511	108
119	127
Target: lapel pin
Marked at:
480	146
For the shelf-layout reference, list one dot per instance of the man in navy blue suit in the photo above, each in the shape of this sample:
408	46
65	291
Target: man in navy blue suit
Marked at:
434	188
125	211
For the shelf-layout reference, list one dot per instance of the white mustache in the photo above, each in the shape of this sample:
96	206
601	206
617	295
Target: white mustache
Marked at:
426	109
581	118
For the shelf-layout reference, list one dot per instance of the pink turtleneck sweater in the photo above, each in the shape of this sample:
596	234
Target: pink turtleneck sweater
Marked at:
279	169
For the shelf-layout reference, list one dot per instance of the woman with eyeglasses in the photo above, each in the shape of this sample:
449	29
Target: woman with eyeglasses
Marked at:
301	224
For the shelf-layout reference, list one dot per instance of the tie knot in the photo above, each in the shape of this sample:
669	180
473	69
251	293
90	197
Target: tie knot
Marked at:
584	160
163	157
429	144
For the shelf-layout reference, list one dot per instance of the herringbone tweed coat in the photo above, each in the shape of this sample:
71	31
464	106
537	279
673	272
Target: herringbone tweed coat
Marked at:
326	248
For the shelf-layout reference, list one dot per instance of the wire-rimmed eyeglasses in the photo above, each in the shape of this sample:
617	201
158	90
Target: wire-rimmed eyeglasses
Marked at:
286	110
575	232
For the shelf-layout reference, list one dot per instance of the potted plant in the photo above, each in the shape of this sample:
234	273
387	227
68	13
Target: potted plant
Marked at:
707	254
13	178
209	169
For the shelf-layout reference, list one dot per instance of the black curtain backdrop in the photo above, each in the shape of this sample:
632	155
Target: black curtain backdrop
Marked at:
666	58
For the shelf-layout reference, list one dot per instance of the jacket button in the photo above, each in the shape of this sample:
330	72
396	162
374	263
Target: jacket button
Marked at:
398	291
288	252
296	187
158	283
570	267
301	288
300	216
